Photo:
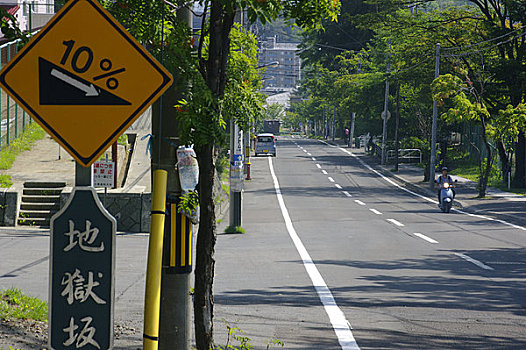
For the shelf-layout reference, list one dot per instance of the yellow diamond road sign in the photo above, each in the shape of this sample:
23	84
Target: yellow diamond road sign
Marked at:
84	79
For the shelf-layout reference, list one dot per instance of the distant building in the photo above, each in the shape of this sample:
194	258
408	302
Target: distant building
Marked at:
29	15
286	75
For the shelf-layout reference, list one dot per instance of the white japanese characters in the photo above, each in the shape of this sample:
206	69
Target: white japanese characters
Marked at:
77	289
85	240
83	337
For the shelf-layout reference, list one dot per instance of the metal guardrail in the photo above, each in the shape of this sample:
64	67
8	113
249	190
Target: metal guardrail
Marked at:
406	155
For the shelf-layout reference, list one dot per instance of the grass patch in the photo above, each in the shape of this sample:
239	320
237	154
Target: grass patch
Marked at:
234	229
23	143
6	181
16	305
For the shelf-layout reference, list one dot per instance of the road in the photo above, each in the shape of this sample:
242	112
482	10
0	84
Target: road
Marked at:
400	272
341	259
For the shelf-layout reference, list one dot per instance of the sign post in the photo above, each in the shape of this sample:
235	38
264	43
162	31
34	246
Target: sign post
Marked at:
81	274
85	80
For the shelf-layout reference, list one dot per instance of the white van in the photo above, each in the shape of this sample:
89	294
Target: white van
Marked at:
265	144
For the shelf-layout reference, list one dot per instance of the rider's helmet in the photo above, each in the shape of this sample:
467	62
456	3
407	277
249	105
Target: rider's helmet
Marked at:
444	168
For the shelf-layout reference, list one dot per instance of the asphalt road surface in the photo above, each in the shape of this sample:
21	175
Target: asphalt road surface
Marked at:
337	257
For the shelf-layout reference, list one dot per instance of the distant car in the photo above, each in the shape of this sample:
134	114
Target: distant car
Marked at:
265	144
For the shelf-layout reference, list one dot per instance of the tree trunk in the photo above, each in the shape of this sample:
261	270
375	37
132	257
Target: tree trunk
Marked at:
483	183
503	159
519	180
206	239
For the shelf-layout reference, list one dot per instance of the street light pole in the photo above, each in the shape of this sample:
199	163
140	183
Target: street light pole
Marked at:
434	126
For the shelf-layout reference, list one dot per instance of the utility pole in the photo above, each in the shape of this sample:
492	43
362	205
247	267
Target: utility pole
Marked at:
175	314
397	121
236	162
434	126
351	132
236	174
386	109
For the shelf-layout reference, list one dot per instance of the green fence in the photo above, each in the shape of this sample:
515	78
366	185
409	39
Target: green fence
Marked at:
14	120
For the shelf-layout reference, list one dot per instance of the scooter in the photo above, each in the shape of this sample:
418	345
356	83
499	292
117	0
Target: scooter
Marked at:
446	197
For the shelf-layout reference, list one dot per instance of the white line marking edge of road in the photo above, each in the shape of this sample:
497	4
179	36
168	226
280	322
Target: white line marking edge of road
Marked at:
340	324
475	261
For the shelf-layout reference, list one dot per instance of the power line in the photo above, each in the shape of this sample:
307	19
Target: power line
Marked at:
484	49
483	42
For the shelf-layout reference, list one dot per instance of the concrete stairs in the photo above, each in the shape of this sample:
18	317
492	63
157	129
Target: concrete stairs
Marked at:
40	201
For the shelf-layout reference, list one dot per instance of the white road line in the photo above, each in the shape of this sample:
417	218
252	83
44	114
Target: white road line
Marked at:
424	197
324	172
341	326
338	186
347	193
474	261
375	211
425	238
396	222
305	150
319	166
359	202
310	155
505	262
330	179
314	159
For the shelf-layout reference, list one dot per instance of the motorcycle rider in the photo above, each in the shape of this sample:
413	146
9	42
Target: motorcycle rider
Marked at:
444	178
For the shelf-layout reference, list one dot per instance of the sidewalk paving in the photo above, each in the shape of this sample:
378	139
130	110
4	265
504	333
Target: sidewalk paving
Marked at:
497	204
47	161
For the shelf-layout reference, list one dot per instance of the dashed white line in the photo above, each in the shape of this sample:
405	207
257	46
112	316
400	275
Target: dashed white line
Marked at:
396	222
419	195
425	238
359	202
375	211
339	322
330	179
324	172
310	155
338	186
319	166
474	261
347	193
314	159
305	150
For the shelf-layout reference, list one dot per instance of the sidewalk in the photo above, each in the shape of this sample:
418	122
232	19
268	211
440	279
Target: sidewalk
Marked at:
498	204
47	161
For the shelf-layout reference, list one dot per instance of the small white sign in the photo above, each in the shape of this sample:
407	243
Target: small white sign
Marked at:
103	174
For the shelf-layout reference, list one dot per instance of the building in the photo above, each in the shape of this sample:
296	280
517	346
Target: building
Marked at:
286	75
29	15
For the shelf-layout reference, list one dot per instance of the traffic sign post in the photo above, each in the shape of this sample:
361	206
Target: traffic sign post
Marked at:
84	79
81	274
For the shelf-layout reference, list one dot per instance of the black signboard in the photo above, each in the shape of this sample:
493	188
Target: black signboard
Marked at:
82	261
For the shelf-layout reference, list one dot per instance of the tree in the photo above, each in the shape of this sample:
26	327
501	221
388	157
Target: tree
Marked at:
468	105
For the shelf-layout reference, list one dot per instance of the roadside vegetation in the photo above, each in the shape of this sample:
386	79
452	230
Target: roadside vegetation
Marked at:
480	100
238	340
14	304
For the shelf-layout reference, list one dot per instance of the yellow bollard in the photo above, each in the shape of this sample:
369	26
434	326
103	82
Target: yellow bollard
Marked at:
152	298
